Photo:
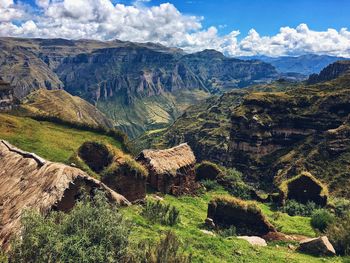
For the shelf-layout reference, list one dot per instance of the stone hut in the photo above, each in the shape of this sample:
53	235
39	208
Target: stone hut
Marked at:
304	188
172	170
29	182
246	216
117	170
6	96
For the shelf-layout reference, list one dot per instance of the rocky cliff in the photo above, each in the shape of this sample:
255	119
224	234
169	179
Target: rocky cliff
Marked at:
277	135
114	74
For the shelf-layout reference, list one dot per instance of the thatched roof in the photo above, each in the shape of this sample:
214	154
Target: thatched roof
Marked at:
30	182
169	160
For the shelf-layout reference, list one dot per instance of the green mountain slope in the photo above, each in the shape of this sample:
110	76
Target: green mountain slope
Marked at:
52	141
60	104
115	75
271	136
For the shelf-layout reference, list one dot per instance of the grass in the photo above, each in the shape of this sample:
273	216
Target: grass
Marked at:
214	248
51	141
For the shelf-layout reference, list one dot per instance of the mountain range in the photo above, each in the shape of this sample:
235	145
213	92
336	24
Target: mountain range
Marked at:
305	64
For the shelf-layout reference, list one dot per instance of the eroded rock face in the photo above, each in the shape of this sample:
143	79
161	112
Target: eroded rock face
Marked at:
317	246
330	72
279	134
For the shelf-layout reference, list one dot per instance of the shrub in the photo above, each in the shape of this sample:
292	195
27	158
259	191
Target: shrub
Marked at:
339	235
94	231
293	208
162	213
321	219
210	184
168	249
341	207
232	181
227	232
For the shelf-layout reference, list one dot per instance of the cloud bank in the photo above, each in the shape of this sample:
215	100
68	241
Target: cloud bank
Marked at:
165	24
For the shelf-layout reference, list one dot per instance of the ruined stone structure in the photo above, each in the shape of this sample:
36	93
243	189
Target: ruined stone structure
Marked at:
171	170
6	96
29	182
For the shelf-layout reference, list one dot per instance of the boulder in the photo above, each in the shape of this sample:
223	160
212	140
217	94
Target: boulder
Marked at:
209	223
254	240
319	246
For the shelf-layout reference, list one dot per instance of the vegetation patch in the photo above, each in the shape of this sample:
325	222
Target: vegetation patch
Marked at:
161	213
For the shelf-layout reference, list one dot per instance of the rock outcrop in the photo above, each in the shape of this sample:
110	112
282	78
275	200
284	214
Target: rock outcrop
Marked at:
330	72
6	96
317	246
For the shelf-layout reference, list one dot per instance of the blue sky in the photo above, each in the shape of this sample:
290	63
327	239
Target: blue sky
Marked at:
267	16
234	27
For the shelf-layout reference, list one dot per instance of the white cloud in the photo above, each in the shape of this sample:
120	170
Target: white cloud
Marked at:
165	24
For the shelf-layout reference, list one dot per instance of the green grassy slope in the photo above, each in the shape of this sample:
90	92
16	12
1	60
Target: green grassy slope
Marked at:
209	248
51	141
60	104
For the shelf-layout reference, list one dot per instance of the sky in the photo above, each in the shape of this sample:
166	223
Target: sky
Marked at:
234	27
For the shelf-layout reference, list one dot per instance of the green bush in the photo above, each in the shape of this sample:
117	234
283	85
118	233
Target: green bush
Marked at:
94	231
321	219
293	208
168	249
210	184
164	214
227	232
233	182
339	235
341	207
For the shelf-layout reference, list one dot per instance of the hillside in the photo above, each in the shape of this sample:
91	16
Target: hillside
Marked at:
60	104
273	133
115	75
52	141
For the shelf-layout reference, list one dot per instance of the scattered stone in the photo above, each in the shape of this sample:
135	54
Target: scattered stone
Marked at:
158	198
291	247
209	222
277	236
207	232
254	240
319	246
73	165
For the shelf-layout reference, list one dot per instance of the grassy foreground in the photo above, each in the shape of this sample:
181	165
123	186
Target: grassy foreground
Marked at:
205	247
51	141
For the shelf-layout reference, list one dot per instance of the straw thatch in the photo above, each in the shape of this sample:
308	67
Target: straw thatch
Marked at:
170	160
171	170
30	182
